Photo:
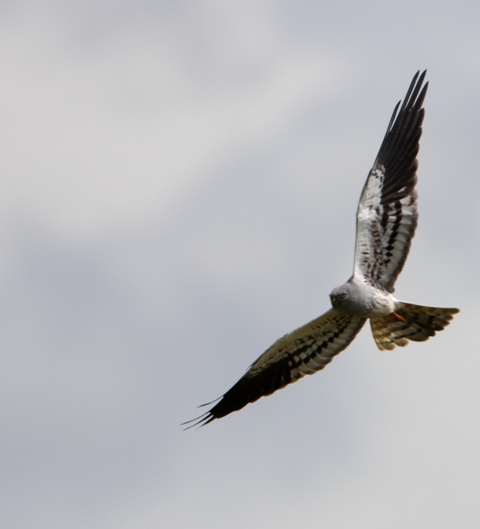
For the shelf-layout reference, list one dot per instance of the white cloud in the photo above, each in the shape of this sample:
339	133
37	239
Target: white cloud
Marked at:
117	133
179	188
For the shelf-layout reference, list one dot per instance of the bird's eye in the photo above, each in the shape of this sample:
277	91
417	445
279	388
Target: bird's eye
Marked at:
343	295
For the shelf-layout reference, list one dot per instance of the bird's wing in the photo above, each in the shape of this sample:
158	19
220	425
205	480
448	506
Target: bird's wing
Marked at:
302	352
387	211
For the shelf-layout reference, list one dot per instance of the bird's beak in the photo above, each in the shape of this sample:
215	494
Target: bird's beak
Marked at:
334	299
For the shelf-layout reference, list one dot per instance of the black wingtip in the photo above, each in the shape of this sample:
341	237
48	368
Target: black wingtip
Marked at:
203	419
199	421
406	119
412	100
415	94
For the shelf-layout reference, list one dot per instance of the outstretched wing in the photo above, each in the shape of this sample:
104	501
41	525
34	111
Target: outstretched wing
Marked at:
387	211
302	352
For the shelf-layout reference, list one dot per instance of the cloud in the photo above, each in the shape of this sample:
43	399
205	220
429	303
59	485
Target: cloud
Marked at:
179	189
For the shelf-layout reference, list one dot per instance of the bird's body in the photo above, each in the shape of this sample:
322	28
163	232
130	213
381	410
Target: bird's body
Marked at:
362	298
386	221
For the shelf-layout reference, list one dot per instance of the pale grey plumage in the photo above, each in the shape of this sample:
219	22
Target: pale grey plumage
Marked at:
386	222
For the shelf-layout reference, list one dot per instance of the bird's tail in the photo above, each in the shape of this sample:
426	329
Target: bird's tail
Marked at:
409	322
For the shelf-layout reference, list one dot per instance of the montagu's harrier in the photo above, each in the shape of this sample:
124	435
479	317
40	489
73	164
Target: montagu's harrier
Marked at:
386	221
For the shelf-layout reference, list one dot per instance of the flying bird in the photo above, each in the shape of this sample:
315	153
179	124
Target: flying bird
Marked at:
386	222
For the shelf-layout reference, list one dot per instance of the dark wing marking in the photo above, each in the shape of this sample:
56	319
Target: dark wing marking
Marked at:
387	211
302	352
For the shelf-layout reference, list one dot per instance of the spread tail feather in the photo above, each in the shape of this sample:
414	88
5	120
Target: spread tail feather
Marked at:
409	322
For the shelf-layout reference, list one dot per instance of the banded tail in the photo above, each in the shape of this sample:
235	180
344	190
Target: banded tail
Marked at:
409	322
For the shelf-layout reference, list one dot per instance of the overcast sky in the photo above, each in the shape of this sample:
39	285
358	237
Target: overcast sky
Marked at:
178	190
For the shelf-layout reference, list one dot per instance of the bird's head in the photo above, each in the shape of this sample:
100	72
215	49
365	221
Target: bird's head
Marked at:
343	298
338	295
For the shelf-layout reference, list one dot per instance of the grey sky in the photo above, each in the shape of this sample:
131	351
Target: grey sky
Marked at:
179	185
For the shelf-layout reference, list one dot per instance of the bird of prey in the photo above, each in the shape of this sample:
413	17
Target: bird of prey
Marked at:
386	221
